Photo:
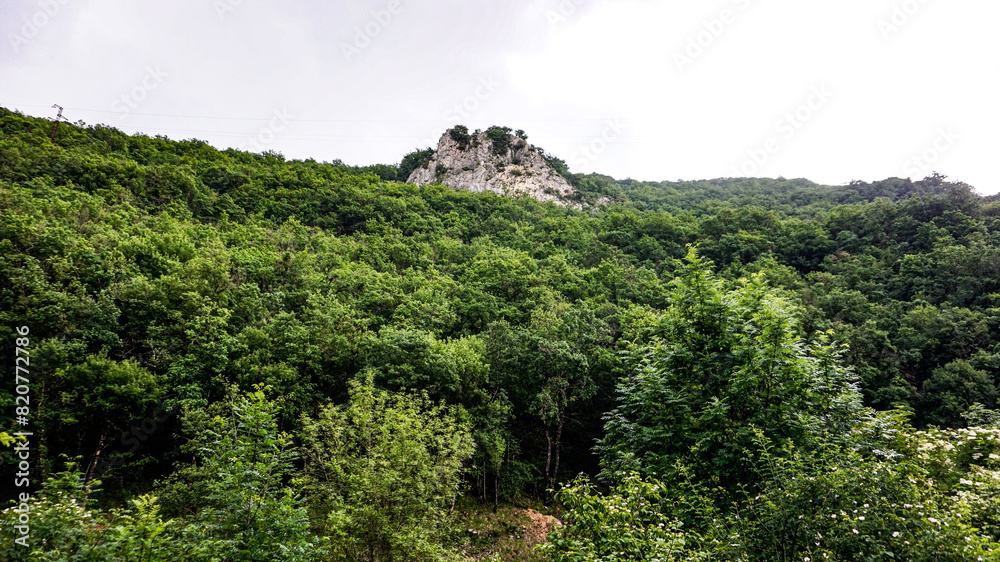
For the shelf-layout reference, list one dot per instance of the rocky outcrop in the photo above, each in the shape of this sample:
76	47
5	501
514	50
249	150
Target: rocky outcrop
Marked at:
494	160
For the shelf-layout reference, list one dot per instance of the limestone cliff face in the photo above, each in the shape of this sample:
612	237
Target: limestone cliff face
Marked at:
494	161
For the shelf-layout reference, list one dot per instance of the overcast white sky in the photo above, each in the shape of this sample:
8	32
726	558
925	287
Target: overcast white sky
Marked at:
652	90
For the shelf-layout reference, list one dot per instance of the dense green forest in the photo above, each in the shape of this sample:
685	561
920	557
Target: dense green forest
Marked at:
235	356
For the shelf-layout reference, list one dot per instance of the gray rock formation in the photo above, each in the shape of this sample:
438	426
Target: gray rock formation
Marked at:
494	161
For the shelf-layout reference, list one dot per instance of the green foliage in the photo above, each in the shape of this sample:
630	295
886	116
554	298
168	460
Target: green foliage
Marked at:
61	525
145	264
559	165
412	161
630	522
65	526
386	172
236	497
460	134
106	394
453	369
381	472
952	389
500	140
844	506
885	492
140	534
720	364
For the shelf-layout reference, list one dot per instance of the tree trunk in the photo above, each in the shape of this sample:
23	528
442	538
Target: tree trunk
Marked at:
97	456
559	430
548	455
90	469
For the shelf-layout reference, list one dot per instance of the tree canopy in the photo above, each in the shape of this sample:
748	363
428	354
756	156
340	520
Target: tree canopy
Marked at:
852	324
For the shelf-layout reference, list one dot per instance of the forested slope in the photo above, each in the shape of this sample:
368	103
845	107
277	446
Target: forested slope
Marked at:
168	276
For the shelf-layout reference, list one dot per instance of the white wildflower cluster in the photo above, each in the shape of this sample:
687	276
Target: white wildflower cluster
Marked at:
978	441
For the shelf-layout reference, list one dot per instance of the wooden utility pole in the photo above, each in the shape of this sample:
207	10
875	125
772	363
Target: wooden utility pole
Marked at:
55	126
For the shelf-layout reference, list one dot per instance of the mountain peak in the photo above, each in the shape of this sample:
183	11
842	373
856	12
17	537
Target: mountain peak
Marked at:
496	160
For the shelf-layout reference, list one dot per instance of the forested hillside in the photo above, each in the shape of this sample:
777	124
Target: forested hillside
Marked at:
238	357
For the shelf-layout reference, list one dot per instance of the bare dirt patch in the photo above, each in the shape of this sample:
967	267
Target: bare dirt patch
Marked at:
540	526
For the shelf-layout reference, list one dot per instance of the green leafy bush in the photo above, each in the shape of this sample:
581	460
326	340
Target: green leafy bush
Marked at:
499	139
460	134
382	472
720	364
236	500
631	522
